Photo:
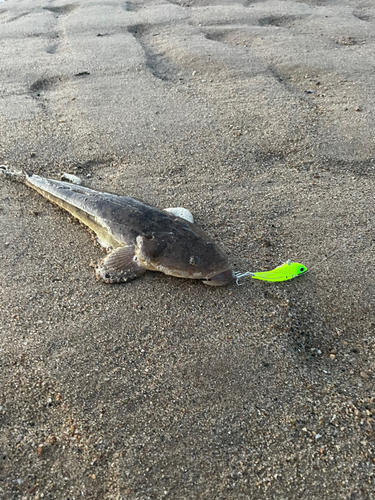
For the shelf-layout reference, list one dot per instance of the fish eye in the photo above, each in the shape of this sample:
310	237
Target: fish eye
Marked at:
301	269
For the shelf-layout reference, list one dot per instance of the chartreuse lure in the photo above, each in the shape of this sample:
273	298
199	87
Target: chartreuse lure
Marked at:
285	272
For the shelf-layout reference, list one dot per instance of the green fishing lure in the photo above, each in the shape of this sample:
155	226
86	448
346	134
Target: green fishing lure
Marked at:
284	272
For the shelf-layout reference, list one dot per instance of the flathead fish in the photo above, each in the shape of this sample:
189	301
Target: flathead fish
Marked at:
139	237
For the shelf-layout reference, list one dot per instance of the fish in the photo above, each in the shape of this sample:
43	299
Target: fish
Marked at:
285	272
137	236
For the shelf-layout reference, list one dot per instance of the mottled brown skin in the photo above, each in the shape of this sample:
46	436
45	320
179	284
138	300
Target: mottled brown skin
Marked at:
140	236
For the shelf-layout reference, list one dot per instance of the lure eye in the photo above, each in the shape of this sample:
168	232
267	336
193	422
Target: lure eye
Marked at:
301	269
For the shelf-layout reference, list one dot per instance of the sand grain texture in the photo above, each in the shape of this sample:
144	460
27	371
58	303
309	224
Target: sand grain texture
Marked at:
258	117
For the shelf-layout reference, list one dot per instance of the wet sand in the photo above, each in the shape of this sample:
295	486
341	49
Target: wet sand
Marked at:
258	117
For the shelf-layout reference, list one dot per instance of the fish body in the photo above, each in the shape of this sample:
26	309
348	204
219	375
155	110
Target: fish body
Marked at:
138	236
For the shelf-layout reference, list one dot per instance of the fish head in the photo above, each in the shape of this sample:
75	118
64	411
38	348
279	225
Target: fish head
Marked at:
220	279
184	254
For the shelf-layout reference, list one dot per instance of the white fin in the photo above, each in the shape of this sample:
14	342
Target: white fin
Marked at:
70	178
183	213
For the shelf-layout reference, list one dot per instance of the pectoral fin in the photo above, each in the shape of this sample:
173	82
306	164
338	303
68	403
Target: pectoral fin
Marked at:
119	266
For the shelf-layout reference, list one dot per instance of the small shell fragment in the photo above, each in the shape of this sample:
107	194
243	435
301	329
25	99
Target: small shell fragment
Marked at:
70	178
181	212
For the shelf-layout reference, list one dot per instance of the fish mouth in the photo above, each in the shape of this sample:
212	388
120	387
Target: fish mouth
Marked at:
220	279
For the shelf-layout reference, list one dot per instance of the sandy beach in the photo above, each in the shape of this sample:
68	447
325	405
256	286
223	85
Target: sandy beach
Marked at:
258	117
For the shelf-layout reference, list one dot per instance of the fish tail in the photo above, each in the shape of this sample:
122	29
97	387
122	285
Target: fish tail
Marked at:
14	175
